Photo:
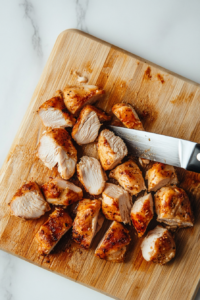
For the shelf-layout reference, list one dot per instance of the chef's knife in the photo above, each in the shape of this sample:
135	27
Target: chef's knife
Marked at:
161	148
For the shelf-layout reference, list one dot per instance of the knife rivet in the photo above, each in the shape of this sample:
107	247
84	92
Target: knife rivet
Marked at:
198	156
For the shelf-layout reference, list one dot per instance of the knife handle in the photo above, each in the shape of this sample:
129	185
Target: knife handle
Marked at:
194	161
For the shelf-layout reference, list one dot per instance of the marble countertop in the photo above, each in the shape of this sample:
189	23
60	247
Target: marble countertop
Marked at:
164	32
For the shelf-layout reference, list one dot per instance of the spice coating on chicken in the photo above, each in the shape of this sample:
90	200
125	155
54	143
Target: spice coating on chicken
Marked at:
28	202
114	244
173	207
158	246
56	148
111	149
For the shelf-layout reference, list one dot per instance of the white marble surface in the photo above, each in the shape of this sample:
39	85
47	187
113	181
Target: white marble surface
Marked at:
164	32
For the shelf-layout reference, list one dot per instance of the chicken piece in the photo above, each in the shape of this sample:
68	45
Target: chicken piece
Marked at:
60	192
160	175
143	161
56	148
111	149
142	213
75	97
86	223
158	246
28	202
87	126
91	175
127	115
114	244
173	207
90	150
116	203
49	234
129	177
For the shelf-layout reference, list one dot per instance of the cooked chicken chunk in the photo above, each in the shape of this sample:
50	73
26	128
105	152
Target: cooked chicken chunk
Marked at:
111	149
127	115
56	148
90	150
91	175
49	234
173	207
87	126
60	192
142	213
116	203
143	161
158	246
160	175
75	97
129	177
114	244
28	202
86	223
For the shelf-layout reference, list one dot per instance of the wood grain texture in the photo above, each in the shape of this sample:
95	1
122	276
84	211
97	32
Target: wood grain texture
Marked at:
168	104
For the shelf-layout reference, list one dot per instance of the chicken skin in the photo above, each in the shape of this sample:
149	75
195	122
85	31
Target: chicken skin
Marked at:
111	149
90	150
127	115
173	207
86	223
75	97
129	177
91	175
87	126
158	246
56	148
28	202
49	234
114	244
60	192
142	213
160	175
116	203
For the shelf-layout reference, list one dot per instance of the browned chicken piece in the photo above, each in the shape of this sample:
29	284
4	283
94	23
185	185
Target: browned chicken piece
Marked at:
127	115
158	246
111	149
49	234
56	148
116	203
90	150
160	175
61	192
91	175
129	177
173	207
86	223
142	213
114	244
143	161
87	126
28	202
75	97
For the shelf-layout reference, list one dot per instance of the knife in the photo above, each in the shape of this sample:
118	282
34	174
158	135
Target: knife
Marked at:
161	148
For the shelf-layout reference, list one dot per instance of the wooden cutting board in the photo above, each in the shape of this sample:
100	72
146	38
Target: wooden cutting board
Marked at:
168	104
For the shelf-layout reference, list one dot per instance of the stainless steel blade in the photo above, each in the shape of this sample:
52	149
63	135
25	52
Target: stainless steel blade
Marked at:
156	147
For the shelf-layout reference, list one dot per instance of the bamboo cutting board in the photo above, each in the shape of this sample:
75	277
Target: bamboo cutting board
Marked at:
168	104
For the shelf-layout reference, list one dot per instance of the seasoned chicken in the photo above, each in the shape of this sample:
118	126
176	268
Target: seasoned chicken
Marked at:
160	175
114	244
90	150
87	126
28	202
158	246
75	97
142	213
127	115
60	192
86	223
116	203
129	177
111	149
56	148
49	234
143	161
91	175
173	207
